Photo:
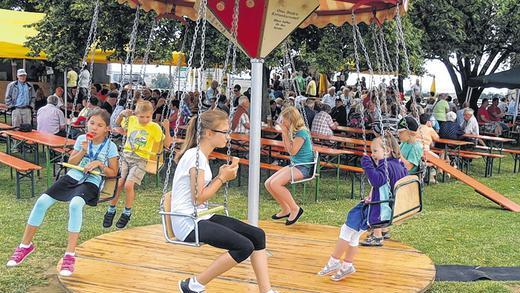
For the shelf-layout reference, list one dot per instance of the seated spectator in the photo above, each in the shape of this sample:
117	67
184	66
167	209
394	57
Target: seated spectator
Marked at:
40	100
309	112
425	133
240	123
484	119
483	114
330	97
103	95
50	118
117	110
497	115
339	113
110	102
88	106
323	123
470	125
460	113
494	111
223	103
174	116
450	129
58	93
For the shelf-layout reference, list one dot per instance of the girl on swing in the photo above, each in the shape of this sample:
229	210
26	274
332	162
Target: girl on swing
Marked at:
240	239
298	143
361	216
94	151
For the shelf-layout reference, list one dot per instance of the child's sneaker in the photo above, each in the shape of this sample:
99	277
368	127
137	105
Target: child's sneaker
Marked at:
123	220
67	265
330	269
19	255
342	273
386	235
372	241
108	219
184	287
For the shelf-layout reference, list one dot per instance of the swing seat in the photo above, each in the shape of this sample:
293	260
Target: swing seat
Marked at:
314	164
167	214
405	201
107	190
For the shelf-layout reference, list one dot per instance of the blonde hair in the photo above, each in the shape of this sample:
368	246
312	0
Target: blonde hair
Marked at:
143	107
208	120
295	119
391	145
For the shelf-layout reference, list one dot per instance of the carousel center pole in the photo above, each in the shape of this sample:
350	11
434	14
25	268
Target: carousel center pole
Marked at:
255	130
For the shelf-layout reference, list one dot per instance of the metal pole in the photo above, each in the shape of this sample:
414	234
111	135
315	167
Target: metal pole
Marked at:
516	105
253	199
65	94
468	94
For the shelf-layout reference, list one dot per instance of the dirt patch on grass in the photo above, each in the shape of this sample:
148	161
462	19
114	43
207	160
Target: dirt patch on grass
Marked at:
53	284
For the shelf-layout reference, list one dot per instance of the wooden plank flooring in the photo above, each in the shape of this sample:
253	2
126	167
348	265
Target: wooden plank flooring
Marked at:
139	260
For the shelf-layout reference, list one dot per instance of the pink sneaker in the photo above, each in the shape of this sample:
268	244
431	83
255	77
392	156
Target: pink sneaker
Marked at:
67	265
19	255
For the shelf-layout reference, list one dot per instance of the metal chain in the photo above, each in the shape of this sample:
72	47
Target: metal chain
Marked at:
184	96
91	36
357	34
151	36
202	11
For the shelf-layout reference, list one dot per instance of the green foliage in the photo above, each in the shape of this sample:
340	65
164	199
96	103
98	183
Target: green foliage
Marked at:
161	81
471	37
64	31
24	5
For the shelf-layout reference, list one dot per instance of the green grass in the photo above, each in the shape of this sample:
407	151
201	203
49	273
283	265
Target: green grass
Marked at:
457	225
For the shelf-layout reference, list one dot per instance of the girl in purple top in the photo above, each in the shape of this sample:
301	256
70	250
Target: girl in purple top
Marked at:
362	216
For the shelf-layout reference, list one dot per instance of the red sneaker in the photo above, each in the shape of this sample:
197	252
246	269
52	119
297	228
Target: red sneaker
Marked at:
19	255
67	265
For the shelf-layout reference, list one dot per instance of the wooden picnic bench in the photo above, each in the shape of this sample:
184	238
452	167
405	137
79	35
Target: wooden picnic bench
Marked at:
23	169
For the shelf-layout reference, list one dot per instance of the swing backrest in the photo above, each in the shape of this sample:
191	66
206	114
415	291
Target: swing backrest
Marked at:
108	190
167	220
156	158
407	198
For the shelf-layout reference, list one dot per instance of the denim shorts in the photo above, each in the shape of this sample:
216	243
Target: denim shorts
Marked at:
305	169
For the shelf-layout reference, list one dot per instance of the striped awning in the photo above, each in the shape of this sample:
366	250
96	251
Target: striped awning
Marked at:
335	12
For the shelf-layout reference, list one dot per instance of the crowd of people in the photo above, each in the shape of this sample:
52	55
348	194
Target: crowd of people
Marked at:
298	111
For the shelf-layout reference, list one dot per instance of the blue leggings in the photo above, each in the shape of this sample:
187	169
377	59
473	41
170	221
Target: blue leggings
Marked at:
44	202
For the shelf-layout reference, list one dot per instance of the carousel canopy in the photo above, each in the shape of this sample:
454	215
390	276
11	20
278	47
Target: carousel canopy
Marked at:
335	12
263	24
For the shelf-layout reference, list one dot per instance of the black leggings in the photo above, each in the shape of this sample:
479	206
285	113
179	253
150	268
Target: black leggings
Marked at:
239	238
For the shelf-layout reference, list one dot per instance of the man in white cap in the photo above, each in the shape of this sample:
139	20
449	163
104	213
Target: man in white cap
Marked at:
20	97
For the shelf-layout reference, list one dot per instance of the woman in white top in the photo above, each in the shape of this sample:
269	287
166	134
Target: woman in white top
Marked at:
240	239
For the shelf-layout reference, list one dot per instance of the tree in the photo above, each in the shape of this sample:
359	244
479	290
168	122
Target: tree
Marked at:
471	37
24	5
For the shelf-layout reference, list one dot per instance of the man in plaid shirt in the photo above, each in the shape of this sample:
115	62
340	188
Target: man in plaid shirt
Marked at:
323	123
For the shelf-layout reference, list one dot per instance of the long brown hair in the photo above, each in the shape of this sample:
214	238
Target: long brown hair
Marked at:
208	120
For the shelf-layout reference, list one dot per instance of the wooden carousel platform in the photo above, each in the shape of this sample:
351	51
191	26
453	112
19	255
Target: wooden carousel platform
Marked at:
139	260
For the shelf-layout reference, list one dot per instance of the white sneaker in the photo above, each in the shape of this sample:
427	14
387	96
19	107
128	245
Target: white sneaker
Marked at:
342	273
329	270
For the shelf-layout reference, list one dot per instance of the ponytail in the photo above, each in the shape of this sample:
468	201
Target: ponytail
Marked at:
208	120
191	138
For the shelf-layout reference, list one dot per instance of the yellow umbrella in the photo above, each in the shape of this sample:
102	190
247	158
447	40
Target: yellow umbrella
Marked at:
323	84
432	88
